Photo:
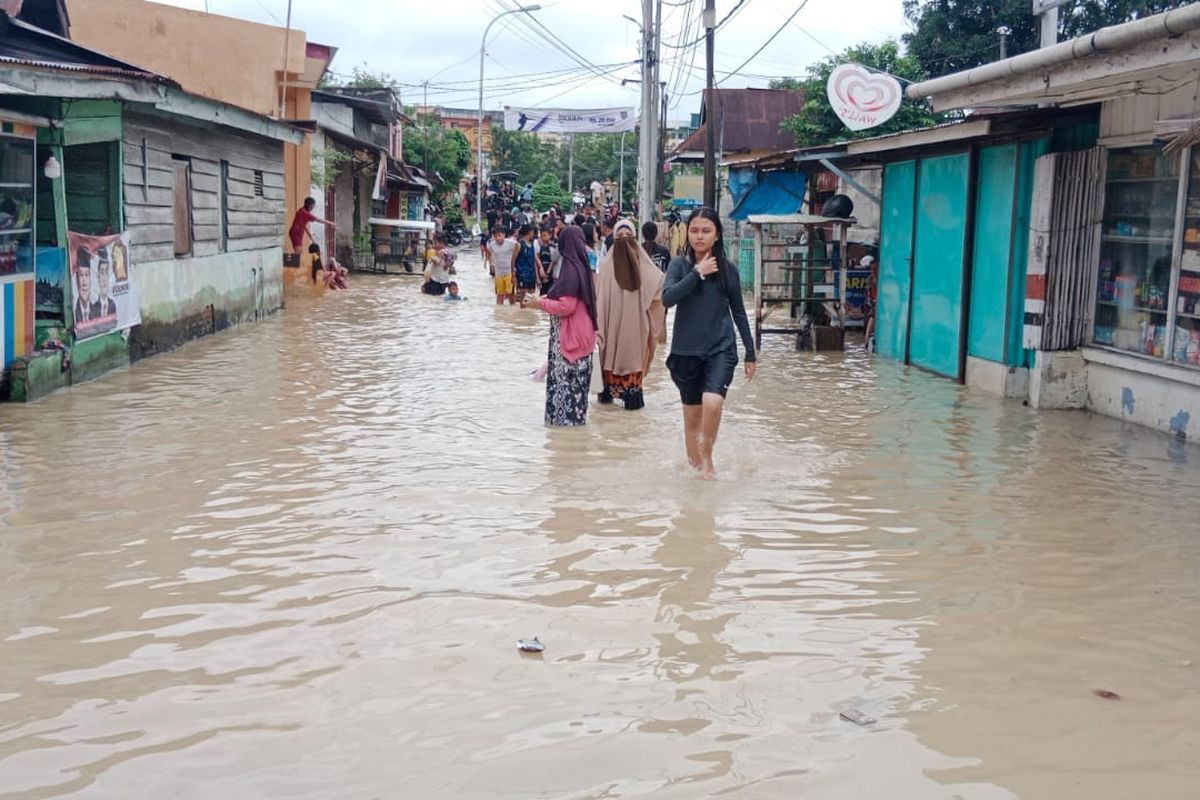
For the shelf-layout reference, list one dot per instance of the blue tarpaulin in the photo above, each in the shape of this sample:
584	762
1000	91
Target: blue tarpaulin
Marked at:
766	193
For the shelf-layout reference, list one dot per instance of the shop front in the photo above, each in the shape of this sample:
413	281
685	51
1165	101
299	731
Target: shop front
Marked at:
18	220
1112	296
1148	277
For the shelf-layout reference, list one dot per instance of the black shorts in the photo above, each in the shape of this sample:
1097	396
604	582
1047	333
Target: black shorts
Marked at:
696	375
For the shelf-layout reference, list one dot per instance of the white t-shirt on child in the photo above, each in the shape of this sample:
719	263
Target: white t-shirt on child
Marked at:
502	256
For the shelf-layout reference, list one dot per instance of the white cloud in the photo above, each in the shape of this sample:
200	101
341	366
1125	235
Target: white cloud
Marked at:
438	41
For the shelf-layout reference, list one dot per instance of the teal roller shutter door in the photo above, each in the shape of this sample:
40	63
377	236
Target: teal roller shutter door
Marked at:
937	291
986	335
895	257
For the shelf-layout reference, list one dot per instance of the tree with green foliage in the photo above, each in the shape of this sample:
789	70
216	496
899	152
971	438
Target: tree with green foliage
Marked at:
955	35
522	152
547	191
598	156
446	153
818	124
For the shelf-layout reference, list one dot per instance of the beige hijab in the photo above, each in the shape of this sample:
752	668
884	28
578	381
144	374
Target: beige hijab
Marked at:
629	322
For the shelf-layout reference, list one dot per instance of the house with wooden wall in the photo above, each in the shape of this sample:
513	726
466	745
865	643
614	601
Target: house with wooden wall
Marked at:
222	58
197	184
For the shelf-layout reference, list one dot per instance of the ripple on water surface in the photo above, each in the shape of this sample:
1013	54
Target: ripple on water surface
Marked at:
293	561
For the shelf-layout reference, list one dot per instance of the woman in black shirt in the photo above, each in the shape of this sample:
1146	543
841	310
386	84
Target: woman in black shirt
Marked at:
707	293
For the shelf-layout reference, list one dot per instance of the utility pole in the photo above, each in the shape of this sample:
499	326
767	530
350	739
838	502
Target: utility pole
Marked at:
425	126
647	124
662	139
655	192
1048	11
710	111
479	166
621	185
571	167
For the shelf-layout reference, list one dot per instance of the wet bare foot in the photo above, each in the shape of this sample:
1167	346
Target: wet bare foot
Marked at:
709	473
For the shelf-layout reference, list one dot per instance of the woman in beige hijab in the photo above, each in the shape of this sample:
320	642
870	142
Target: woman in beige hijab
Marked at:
630	316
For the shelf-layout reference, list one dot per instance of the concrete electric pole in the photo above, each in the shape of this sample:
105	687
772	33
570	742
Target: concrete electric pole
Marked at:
710	111
648	131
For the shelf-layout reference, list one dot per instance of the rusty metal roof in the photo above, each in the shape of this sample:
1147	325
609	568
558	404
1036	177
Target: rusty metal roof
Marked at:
26	45
90	69
748	119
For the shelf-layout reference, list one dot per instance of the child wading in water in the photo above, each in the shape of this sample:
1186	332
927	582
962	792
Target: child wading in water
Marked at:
525	265
705	289
502	258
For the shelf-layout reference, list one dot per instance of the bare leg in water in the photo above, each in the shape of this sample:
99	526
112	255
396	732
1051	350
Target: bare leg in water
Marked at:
710	423
700	426
692	421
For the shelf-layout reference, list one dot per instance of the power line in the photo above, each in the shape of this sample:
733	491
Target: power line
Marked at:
753	55
529	21
732	12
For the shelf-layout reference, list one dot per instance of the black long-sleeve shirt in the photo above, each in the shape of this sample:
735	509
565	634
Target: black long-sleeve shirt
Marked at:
707	310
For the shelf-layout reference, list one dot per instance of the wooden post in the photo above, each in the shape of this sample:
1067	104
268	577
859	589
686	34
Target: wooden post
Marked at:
758	280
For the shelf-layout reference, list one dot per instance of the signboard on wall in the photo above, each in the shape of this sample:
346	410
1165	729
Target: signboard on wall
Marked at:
102	284
863	99
689	191
570	120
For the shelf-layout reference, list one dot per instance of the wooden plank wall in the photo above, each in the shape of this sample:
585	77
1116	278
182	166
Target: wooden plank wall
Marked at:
254	223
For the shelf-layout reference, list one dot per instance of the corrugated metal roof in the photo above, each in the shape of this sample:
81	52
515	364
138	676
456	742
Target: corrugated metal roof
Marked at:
89	69
748	119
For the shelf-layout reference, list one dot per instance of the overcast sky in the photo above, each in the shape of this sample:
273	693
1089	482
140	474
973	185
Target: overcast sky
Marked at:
438	41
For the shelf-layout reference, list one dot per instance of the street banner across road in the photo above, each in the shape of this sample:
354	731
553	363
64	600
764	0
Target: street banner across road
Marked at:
570	120
102	284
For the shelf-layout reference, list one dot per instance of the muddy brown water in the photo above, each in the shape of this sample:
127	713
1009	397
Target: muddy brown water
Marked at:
294	561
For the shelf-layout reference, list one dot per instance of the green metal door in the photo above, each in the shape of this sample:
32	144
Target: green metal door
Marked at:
895	259
937	286
992	259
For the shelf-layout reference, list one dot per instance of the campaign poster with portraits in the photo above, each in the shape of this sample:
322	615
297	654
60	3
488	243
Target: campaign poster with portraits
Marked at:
105	296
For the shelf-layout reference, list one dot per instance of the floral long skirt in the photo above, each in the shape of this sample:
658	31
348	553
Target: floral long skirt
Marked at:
566	384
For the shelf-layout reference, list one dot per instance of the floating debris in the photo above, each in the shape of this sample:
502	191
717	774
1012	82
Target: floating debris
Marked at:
1106	694
533	645
857	717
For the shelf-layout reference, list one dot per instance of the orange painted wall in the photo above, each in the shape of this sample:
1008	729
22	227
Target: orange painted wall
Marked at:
227	59
223	58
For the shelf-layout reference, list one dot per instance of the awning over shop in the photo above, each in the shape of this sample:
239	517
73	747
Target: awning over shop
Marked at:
767	193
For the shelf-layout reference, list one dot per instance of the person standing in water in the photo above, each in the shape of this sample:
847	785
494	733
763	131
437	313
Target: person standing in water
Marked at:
630	317
705	289
572	308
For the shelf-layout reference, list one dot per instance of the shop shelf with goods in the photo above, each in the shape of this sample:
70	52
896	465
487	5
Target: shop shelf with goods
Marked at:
18	209
1137	239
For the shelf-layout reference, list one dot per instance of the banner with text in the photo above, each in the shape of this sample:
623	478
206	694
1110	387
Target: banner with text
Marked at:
570	120
106	298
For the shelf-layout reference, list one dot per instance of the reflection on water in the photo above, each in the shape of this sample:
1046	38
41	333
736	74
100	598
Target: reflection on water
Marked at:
294	562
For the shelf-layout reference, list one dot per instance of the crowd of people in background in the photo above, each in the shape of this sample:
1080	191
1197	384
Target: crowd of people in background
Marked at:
606	286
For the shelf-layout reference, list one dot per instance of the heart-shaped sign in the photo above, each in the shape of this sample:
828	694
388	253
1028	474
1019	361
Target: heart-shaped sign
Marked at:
863	99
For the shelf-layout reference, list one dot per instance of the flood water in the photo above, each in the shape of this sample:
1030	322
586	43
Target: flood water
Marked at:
292	561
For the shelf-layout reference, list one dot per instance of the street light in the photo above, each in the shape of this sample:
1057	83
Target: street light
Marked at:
479	133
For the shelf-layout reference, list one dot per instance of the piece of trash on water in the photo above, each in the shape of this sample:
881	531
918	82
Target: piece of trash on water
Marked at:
1106	694
857	717
533	645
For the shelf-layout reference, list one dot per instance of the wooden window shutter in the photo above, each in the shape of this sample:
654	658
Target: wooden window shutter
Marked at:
183	206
